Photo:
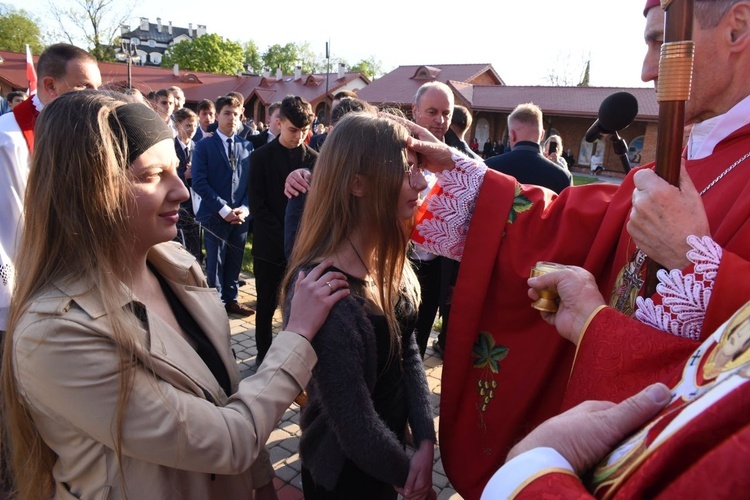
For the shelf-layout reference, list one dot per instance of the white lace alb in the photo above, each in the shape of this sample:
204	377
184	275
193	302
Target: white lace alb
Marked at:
445	233
685	297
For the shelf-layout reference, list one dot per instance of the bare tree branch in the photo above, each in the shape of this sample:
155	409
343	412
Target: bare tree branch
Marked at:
93	24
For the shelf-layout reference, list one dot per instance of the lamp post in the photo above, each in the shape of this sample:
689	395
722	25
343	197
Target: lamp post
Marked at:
129	54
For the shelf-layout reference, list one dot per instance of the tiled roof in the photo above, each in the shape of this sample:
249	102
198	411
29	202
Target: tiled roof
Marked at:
574	101
197	85
400	85
13	69
203	86
309	87
464	90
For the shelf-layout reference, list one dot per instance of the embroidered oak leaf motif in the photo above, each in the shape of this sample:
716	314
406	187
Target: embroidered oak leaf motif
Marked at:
488	357
520	204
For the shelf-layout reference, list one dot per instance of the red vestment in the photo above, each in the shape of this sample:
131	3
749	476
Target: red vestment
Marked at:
696	447
705	459
506	370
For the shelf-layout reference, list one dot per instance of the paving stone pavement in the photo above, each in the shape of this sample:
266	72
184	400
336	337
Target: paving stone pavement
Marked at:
284	440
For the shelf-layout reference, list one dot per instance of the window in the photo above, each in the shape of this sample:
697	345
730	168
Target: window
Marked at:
152	43
584	154
635	151
482	132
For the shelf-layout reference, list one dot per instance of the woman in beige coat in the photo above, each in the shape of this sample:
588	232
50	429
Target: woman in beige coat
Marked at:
118	378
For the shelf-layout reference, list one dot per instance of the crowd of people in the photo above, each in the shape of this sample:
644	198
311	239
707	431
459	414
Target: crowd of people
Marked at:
121	260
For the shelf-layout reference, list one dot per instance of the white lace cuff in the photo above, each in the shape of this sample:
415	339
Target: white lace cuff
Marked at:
452	207
684	297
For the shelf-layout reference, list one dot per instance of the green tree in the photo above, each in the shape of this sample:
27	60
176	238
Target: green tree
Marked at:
308	60
252	57
92	23
18	28
210	53
281	56
371	68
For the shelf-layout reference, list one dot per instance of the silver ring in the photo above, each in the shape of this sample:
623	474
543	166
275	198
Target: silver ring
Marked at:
329	286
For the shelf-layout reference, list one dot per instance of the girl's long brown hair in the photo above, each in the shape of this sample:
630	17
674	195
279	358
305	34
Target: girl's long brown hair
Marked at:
74	229
373	149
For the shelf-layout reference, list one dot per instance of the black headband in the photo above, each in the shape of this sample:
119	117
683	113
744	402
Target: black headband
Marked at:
142	127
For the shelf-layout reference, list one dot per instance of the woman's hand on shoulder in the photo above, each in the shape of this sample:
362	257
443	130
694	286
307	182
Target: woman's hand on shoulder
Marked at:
314	296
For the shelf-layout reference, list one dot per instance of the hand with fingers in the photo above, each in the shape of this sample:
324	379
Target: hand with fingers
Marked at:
314	296
579	297
663	216
418	484
297	182
586	433
434	155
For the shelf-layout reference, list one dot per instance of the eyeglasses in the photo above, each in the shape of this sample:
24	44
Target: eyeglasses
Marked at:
414	172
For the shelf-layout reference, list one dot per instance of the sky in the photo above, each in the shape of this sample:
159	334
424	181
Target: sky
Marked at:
525	41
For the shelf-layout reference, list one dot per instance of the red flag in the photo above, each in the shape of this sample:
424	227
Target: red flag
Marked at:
30	71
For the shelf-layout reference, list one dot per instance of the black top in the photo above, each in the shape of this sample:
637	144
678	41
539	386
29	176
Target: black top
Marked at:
269	167
359	394
388	396
203	346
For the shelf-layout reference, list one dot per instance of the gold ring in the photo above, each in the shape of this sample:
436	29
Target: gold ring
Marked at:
329	286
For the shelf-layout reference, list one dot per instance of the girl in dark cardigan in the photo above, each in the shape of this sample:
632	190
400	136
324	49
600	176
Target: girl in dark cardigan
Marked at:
369	380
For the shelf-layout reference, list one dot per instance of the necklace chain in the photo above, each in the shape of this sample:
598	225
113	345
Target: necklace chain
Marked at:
367	270
725	172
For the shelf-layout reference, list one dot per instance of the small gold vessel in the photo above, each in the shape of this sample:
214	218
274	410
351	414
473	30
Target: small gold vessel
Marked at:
548	299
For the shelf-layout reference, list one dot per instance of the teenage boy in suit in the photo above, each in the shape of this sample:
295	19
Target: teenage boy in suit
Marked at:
221	172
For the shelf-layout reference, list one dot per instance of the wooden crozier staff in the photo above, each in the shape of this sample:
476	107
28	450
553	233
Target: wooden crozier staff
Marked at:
673	89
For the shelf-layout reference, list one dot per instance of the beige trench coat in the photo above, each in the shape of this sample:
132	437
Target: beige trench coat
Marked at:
177	443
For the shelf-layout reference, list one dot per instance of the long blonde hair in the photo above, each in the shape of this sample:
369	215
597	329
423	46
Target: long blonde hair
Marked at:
74	229
372	149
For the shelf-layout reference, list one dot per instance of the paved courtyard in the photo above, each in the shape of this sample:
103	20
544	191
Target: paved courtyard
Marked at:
284	440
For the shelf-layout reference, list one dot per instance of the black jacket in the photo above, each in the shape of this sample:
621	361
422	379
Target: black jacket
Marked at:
528	165
269	167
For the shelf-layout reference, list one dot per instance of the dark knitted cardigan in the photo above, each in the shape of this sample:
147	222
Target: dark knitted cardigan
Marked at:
340	421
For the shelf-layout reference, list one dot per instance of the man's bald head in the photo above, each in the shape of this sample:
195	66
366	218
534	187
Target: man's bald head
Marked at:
433	108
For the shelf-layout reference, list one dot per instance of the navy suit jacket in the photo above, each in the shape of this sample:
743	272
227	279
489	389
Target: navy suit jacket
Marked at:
528	165
215	180
198	135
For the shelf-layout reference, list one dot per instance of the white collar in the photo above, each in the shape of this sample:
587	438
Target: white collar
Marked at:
39	105
224	137
707	134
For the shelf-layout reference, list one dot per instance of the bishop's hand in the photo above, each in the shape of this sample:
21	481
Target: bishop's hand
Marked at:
579	298
663	216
